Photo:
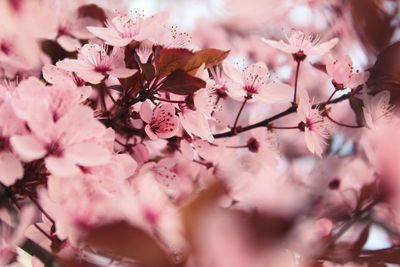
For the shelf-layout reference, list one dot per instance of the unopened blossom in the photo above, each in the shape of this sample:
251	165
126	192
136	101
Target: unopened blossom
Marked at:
342	73
162	122
94	64
254	82
377	109
119	31
313	124
302	44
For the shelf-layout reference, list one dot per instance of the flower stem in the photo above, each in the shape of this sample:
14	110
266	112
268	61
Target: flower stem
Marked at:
296	79
342	124
238	115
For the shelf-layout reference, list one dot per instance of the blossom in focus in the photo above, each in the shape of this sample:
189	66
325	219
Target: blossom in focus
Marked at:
298	42
342	73
162	122
313	124
255	82
93	64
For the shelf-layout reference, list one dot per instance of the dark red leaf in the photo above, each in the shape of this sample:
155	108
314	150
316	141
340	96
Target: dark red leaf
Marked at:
181	83
169	60
372	23
385	74
210	57
92	11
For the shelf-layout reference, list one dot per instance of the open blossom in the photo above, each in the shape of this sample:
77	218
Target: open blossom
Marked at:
377	109
93	64
72	141
255	82
298	42
342	73
119	31
162	122
313	124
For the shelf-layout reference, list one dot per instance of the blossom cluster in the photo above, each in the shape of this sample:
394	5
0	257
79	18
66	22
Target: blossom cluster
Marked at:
125	141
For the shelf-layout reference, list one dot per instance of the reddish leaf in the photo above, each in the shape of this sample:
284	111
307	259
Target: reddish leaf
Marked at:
92	11
385	74
210	57
356	105
169	60
122	239
181	83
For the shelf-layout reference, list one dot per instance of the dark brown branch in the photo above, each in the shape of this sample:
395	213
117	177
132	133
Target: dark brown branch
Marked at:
290	110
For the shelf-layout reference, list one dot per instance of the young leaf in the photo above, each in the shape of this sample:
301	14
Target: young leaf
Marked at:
210	57
92	11
171	59
181	83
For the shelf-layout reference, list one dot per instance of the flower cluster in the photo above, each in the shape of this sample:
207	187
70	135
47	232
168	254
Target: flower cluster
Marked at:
122	143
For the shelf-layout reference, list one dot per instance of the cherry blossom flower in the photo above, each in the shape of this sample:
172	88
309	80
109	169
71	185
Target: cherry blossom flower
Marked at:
72	141
119	31
313	124
377	109
342	73
93	64
298	42
162	122
255	83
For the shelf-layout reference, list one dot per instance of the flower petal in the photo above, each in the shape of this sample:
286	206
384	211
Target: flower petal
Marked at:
275	93
10	168
28	147
61	167
88	154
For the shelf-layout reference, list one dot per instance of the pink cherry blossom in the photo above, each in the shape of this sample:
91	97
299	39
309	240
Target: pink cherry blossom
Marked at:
255	82
302	43
313	124
162	122
93	64
342	73
72	141
119	31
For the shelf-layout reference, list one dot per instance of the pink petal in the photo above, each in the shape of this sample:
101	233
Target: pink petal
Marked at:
150	133
53	74
104	33
10	168
281	46
146	112
61	167
320	49
122	72
69	43
28	147
88	154
275	93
